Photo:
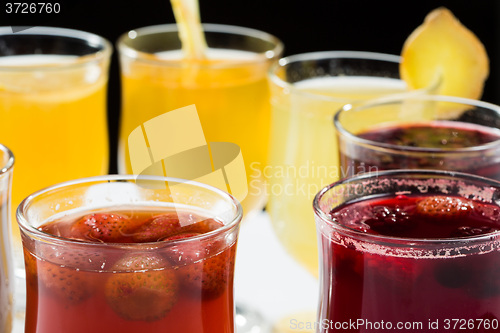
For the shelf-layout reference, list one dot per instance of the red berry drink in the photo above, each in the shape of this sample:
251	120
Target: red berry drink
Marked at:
420	132
130	268
410	251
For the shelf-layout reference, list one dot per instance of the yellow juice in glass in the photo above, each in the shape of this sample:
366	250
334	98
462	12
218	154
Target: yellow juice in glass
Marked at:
229	89
53	113
304	154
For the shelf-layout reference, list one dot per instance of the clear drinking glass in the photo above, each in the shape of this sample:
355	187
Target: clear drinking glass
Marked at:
229	90
388	263
182	284
420	132
306	91
7	280
53	86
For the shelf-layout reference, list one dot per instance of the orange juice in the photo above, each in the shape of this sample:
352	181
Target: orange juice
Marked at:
53	115
229	89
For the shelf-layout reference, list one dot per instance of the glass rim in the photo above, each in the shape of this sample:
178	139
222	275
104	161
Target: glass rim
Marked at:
32	231
408	150
405	241
4	168
325	55
92	39
137	55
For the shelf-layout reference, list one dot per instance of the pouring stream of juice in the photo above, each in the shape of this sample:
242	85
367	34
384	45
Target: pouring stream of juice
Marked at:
187	16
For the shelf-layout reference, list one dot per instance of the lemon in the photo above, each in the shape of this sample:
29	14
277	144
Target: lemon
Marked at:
443	52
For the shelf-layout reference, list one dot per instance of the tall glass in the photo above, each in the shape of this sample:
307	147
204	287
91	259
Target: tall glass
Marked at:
420	132
182	284
53	107
306	90
7	281
229	89
378	275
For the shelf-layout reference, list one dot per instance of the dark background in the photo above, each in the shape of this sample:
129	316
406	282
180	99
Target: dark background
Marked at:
303	26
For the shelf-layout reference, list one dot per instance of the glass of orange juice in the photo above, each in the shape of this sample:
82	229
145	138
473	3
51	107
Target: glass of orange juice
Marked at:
228	87
53	108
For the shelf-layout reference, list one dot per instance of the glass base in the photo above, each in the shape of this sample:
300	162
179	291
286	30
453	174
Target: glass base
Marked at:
248	320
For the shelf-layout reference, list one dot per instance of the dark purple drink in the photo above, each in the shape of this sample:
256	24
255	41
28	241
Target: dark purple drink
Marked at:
409	252
439	145
419	131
